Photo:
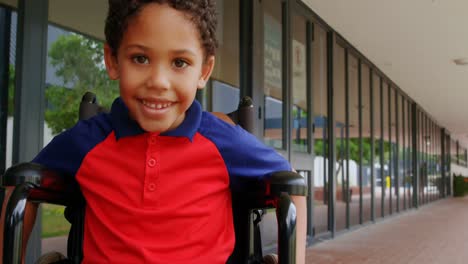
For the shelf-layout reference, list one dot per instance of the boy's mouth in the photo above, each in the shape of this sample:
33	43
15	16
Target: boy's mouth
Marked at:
156	105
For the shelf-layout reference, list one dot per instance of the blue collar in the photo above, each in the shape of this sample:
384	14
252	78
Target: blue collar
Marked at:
124	126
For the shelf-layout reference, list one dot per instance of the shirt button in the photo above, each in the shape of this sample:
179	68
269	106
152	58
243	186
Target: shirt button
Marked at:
151	187
151	162
152	140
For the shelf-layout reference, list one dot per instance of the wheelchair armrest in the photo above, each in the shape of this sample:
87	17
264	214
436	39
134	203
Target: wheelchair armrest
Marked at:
45	185
35	183
280	187
274	192
288	182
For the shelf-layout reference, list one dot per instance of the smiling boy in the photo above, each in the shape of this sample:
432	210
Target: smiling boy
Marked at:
157	172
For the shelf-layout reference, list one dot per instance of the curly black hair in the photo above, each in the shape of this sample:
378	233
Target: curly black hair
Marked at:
201	12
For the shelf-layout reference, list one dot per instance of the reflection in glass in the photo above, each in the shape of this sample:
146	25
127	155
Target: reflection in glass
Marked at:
319	84
394	153
222	93
401	152
300	111
341	145
11	89
366	144
354	146
422	158
227	54
386	148
410	174
378	147
273	69
447	160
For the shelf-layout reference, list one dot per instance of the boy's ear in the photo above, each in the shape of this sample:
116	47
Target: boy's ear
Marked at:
207	69
112	66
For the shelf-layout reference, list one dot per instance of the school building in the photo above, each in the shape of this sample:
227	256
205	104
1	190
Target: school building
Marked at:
367	99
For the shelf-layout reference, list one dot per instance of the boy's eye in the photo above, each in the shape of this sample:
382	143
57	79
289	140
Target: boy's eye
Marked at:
140	59
180	63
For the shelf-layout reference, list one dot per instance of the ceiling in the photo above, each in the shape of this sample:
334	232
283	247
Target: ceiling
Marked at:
413	42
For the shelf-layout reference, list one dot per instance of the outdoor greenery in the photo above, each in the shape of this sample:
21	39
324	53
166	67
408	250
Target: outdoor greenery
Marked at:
11	90
53	221
79	62
353	144
460	185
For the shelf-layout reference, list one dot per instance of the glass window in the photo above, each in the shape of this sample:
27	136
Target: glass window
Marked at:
342	161
222	93
378	146
227	55
354	146
423	163
319	90
366	143
401	152
420	129
273	70
393	151
386	147
410	174
453	151
11	89
300	111
75	64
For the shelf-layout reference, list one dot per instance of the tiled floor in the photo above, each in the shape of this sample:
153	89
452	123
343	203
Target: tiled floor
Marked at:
434	233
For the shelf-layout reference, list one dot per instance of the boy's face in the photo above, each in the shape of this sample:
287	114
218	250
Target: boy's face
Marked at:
160	65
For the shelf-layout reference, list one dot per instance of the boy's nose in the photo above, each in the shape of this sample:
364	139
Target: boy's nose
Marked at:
158	78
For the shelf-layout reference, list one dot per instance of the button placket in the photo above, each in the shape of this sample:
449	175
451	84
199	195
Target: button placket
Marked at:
152	169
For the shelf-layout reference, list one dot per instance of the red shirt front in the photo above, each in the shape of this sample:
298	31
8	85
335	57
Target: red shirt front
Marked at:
159	198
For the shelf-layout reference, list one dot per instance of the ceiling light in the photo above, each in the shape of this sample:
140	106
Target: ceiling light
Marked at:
461	61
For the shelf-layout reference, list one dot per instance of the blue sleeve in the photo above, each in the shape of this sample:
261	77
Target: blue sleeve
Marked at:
67	150
243	154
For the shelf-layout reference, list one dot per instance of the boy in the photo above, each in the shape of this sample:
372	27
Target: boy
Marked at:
157	171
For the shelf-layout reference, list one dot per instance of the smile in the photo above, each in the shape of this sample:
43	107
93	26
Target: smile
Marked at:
156	105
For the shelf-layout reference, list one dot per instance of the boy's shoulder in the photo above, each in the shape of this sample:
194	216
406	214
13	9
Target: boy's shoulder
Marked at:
98	125
218	123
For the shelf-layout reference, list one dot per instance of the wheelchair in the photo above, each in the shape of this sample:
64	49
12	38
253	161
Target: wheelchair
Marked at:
37	184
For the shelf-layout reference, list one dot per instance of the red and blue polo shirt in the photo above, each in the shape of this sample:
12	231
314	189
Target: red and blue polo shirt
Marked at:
159	198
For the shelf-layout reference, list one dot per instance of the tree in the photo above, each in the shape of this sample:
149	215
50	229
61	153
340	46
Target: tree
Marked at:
79	62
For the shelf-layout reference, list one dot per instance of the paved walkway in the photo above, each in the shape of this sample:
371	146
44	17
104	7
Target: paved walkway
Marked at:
435	233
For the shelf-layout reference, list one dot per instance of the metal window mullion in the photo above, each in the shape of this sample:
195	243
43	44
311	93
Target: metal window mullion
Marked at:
310	116
397	154
389	121
425	161
28	127
371	109
414	161
5	28
331	134
360	138
286	80
404	155
346	64
381	149
309	54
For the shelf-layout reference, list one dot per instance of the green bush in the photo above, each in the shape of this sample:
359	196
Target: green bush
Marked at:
53	221
460	186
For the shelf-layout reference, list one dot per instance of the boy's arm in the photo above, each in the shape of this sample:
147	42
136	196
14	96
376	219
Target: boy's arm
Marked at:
301	211
301	227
